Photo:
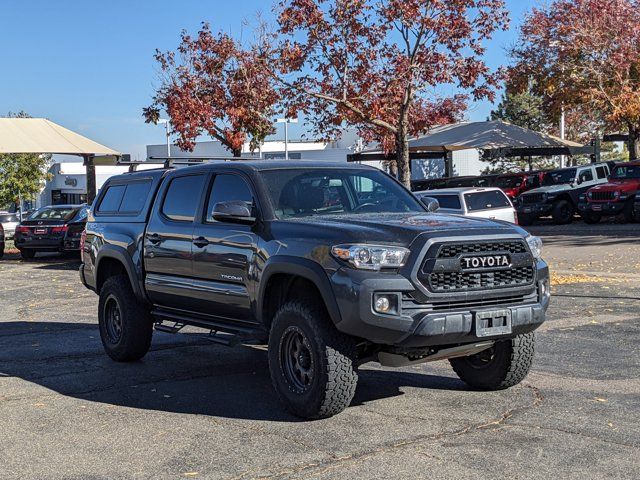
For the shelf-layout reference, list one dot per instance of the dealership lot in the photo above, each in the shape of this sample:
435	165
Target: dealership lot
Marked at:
192	409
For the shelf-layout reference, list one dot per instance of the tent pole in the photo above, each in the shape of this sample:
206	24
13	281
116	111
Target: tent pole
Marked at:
91	178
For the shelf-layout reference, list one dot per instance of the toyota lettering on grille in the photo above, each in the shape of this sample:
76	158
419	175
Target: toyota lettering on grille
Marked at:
485	261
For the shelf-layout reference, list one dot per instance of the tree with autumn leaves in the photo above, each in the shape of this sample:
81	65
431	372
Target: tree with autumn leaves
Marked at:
377	65
212	85
584	55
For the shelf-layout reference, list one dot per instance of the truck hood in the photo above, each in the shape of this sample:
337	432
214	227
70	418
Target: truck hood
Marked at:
550	189
402	228
623	185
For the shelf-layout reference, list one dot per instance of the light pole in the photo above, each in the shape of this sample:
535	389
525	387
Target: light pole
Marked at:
166	124
286	122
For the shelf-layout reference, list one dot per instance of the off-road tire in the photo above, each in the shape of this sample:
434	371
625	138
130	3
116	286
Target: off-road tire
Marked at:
332	357
563	212
509	364
591	218
526	219
628	212
1	250
134	339
27	253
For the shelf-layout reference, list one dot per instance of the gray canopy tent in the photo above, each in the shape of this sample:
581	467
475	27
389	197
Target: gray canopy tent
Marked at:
42	136
494	138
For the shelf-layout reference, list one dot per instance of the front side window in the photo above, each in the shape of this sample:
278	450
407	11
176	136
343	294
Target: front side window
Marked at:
182	198
304	192
228	188
486	200
586	175
559	177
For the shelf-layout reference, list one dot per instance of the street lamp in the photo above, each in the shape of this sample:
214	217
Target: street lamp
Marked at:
286	122
166	123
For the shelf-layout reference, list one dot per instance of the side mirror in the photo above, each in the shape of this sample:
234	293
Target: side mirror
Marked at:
235	211
579	181
431	203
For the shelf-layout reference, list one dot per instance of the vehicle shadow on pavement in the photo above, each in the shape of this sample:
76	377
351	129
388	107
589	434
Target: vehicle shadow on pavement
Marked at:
183	374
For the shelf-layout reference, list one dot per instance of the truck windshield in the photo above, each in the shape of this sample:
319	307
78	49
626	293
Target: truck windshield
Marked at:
304	192
626	171
559	177
508	182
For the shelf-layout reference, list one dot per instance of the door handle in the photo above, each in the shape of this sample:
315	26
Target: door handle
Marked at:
154	238
201	242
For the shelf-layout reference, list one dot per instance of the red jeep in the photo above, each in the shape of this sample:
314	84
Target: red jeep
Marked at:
614	197
513	184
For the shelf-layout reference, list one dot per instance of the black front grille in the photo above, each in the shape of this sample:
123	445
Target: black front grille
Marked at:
453	250
410	304
602	196
467	281
532	198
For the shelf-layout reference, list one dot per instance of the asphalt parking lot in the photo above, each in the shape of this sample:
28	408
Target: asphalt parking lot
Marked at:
192	409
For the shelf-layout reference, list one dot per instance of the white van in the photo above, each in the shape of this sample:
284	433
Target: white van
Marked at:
490	203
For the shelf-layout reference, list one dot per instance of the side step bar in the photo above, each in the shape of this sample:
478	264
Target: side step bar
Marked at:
394	360
219	332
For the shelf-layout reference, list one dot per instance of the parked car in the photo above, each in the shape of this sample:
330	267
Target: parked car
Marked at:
331	264
9	222
491	203
559	193
452	182
514	184
616	196
55	228
1	241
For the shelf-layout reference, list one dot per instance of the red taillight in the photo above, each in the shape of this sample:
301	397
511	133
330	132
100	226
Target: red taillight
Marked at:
62	229
20	229
83	239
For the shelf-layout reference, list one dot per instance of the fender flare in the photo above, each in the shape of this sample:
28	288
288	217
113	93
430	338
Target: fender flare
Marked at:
121	255
301	267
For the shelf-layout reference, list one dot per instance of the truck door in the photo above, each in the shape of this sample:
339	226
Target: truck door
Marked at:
223	253
169	239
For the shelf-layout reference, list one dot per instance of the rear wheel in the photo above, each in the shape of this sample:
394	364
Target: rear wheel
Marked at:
27	253
591	218
312	365
563	212
125	325
504	365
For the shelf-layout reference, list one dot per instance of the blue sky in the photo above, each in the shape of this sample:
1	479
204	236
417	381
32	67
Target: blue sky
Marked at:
89	65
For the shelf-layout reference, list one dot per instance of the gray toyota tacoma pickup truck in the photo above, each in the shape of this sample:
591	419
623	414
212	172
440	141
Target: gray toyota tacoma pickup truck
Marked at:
331	265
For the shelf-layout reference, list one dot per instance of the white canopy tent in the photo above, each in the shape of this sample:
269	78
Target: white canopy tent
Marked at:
39	135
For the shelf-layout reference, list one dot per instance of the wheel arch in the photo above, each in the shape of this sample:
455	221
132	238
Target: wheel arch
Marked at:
113	260
282	274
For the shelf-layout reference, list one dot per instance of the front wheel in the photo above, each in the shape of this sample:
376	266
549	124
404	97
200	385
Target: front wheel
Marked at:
629	212
591	218
563	212
125	325
27	253
504	365
312	365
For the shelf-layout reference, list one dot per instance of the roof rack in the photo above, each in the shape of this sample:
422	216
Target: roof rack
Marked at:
170	162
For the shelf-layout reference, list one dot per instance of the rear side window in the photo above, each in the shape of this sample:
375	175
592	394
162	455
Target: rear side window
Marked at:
448	201
125	199
228	188
486	200
601	172
112	198
182	197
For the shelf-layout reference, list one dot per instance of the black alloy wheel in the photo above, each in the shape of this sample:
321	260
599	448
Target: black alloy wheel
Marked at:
296	359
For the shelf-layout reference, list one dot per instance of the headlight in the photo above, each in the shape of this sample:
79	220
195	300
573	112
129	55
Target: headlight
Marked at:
590	194
371	257
535	245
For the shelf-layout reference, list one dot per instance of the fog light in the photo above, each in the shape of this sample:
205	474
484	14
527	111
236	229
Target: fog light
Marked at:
385	303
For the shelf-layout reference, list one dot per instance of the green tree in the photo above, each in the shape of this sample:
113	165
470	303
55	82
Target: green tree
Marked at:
522	109
22	173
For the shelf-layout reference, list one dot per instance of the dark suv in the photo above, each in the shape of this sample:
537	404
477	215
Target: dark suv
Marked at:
332	265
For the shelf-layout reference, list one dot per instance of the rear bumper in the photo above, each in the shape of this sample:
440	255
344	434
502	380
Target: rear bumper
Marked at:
420	325
44	245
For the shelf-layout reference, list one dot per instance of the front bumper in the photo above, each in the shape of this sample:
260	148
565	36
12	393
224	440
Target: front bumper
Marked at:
535	209
604	208
427	324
